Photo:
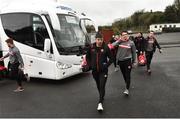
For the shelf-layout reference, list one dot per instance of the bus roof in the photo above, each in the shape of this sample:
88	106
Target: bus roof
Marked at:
37	7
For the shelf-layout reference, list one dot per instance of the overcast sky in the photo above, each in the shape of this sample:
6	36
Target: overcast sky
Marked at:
104	12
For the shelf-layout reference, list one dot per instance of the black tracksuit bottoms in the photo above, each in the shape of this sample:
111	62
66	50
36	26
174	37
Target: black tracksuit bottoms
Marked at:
126	67
114	55
115	65
100	78
149	56
14	73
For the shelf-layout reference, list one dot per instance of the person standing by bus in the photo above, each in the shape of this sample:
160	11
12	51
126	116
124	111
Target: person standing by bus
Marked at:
15	63
150	47
126	57
99	58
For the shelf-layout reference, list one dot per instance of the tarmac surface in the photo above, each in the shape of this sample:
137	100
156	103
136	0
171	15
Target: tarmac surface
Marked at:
152	96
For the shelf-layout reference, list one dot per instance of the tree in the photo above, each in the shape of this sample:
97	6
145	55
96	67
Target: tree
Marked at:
177	9
177	4
170	14
135	18
140	20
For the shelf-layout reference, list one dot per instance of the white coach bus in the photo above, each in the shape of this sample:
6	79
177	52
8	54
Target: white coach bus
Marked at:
48	35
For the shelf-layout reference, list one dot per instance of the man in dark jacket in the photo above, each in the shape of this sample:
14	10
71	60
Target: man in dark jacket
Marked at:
99	57
139	43
150	48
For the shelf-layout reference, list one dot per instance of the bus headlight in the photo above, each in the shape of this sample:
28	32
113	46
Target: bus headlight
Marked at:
60	65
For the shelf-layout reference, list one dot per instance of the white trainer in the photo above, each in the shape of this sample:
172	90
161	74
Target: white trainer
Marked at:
19	90
126	92
116	69
100	107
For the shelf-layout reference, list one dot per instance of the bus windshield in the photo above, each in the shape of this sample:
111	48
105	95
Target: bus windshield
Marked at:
70	37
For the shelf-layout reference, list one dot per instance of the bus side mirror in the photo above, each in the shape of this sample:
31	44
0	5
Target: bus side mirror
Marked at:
47	45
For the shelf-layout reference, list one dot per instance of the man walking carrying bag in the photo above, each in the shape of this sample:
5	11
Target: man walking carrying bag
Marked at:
16	63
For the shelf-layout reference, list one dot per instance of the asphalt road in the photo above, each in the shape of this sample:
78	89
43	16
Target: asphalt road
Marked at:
157	95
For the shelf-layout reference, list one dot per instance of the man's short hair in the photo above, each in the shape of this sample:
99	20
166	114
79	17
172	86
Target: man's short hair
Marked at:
98	35
141	33
124	32
151	31
10	40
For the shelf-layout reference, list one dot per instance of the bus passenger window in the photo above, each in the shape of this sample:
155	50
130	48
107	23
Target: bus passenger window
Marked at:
40	32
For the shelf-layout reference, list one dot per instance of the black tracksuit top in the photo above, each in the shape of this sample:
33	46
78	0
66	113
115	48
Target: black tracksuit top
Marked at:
140	43
99	58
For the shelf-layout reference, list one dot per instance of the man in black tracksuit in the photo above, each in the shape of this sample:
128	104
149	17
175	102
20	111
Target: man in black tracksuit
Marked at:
99	57
126	56
150	48
139	43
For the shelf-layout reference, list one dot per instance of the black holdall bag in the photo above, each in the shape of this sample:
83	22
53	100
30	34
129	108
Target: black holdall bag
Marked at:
3	72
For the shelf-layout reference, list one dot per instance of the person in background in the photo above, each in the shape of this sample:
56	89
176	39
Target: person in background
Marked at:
140	44
131	38
114	51
99	57
112	40
150	47
15	63
1	54
126	58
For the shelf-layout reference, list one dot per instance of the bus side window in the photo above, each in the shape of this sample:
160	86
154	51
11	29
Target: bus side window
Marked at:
39	31
25	28
18	27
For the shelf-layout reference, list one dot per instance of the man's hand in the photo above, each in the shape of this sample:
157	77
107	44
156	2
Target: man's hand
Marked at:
160	50
119	39
134	65
2	58
21	68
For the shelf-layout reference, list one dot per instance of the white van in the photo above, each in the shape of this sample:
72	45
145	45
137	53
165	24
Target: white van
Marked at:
48	36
